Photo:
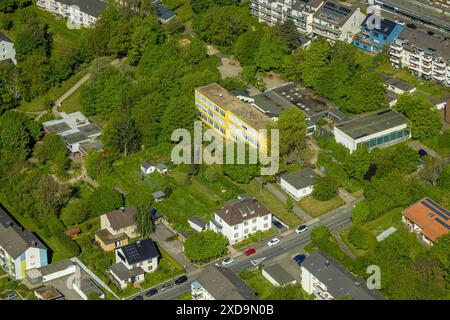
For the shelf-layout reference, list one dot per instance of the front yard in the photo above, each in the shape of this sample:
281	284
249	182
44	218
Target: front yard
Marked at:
316	208
257	282
253	238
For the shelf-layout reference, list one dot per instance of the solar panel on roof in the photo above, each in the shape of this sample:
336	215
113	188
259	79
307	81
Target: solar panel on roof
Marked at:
344	10
443	223
434	210
438	206
304	1
330	5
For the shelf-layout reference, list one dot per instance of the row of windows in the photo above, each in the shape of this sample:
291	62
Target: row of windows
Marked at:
210	104
211	123
387	138
236	235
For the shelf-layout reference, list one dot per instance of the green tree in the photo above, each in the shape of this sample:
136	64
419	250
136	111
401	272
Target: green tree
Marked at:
357	164
361	238
103	200
289	32
8	86
53	149
33	39
50	196
325	188
205	246
289	204
247	45
292	127
74	213
211	174
366	94
33	76
98	165
313	62
320	234
271	53
144	221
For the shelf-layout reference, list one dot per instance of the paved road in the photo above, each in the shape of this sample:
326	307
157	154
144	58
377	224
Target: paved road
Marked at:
291	243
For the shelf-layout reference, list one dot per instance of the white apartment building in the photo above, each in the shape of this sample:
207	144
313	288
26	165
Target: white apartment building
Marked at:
425	53
278	11
20	250
238	219
334	21
7	50
133	262
328	280
83	13
375	130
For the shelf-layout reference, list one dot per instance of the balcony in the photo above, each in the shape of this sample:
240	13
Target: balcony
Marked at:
439	63
425	64
426	71
427	58
414	66
395	60
395	53
439	70
396	46
439	77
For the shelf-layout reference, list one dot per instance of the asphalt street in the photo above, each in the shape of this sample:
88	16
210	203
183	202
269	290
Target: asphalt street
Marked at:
291	243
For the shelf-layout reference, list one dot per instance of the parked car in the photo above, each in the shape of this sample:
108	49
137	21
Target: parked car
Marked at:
299	258
180	280
422	153
151	292
227	261
138	298
273	242
166	286
10	296
301	229
250	251
277	224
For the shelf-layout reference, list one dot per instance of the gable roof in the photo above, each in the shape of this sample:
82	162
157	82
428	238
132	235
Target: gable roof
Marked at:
337	279
224	284
300	179
433	219
14	238
122	218
139	251
236	211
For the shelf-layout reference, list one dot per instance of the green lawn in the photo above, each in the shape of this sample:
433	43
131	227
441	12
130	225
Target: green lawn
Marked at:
72	103
316	208
41	103
185	200
440	144
257	282
271	202
187	296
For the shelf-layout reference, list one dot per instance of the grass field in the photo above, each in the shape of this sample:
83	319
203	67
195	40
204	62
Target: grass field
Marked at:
271	202
257	282
316	208
72	103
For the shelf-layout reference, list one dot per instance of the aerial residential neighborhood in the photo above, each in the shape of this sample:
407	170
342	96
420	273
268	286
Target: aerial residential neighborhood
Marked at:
254	150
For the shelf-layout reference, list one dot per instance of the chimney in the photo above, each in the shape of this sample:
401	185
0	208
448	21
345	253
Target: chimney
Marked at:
447	111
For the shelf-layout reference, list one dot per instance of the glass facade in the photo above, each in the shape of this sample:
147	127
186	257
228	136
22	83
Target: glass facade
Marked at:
386	139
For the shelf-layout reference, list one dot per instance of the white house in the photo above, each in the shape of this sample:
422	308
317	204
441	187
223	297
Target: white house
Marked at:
327	280
75	130
298	184
376	130
147	167
20	250
7	51
133	262
238	219
83	13
334	21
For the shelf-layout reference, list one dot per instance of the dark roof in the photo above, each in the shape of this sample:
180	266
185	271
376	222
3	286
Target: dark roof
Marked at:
90	129
280	275
146	165
88	146
161	167
372	123
197	221
121	271
300	179
337	279
91	7
224	284
236	211
56	267
76	137
390	96
14	238
164	13
121	218
140	251
58	128
48	293
3	37
386	26
155	213
397	83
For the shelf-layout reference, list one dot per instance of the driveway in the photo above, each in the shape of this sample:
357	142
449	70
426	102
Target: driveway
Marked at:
173	247
416	145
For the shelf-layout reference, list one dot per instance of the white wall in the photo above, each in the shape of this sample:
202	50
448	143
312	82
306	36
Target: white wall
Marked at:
297	194
7	51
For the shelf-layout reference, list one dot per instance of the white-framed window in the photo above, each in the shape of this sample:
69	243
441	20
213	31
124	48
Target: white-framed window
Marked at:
236	235
245	230
235	227
254	220
266	217
266	225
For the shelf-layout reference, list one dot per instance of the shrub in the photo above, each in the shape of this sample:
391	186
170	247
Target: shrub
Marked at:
325	188
104	199
74	213
205	246
320	234
361	238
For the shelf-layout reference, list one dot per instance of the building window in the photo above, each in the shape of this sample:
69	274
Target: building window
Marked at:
245	230
235	227
254	221
254	228
266	225
236	235
266	217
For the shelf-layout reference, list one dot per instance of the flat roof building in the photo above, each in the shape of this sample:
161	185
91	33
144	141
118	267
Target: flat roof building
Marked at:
427	219
277	275
380	129
298	184
230	117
